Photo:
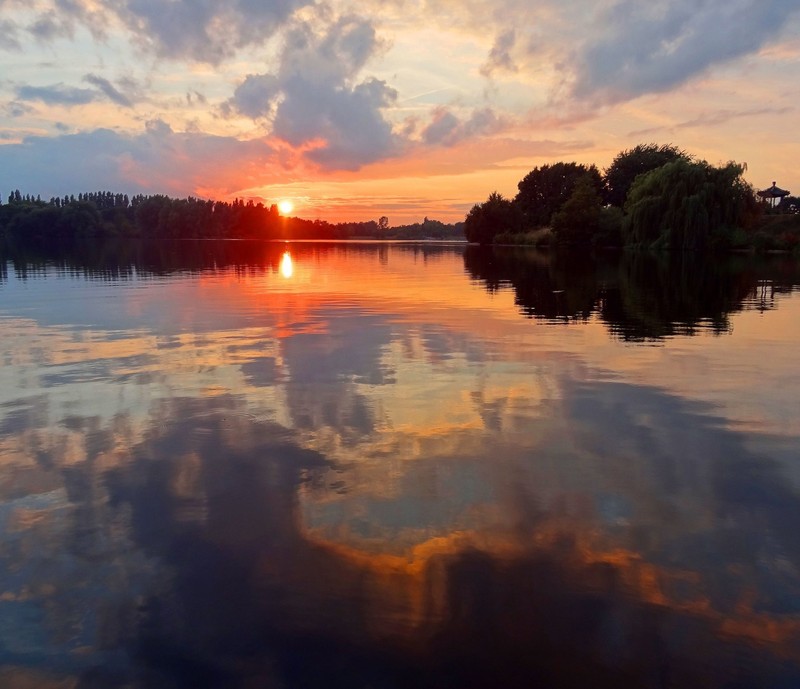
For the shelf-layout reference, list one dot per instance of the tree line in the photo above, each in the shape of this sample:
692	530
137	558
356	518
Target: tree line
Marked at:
651	196
109	214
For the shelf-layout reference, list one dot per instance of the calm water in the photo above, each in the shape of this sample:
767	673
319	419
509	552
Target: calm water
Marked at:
309	465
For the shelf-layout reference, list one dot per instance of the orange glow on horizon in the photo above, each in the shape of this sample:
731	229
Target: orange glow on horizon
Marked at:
285	207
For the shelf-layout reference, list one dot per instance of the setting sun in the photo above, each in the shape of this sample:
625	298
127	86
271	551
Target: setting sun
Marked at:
285	207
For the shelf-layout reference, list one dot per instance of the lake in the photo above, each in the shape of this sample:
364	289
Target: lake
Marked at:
247	464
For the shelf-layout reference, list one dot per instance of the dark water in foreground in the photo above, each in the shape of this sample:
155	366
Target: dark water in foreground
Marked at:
308	465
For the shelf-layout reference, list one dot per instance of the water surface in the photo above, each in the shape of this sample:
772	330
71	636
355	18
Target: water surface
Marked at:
316	465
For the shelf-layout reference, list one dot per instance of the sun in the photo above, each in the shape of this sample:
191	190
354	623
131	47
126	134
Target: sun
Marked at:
285	207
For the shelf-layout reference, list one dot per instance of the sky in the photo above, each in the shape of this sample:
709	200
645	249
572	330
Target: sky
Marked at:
402	108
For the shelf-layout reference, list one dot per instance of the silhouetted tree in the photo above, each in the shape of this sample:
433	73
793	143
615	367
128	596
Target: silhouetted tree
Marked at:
578	219
488	219
545	189
688	205
629	164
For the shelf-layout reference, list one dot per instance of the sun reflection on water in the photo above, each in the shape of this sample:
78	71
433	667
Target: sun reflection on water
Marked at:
287	267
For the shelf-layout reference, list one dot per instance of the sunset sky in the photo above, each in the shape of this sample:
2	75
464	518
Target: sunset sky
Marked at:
403	108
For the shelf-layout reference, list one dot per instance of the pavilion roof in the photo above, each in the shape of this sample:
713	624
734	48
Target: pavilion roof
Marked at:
774	192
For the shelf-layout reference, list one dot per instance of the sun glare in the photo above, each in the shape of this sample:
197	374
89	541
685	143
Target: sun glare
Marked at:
285	207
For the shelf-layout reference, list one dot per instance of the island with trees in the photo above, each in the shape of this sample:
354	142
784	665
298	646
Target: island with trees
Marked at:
651	196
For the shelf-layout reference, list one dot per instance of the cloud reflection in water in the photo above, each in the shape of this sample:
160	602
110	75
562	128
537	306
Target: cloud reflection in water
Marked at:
339	490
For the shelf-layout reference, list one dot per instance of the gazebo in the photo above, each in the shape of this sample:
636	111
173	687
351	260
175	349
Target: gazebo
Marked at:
773	195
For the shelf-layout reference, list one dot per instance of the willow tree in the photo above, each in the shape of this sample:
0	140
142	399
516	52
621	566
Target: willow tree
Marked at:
687	205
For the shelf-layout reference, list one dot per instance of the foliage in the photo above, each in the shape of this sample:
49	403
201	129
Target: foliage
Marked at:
490	218
427	229
789	204
609	227
545	189
687	205
629	164
540	237
577	221
777	233
162	217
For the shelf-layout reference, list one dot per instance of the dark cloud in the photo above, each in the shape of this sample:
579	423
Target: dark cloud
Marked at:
69	96
315	96
49	26
447	130
192	96
442	126
57	94
8	36
206	31
17	109
349	120
500	54
254	96
109	90
644	48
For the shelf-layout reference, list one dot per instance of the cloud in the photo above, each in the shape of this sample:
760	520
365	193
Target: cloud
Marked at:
113	94
500	54
714	119
315	98
447	130
17	109
9	39
157	160
206	31
193	95
49	26
348	121
644	48
70	96
57	94
254	96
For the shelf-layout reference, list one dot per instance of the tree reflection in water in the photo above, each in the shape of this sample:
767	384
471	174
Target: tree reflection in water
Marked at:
639	296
